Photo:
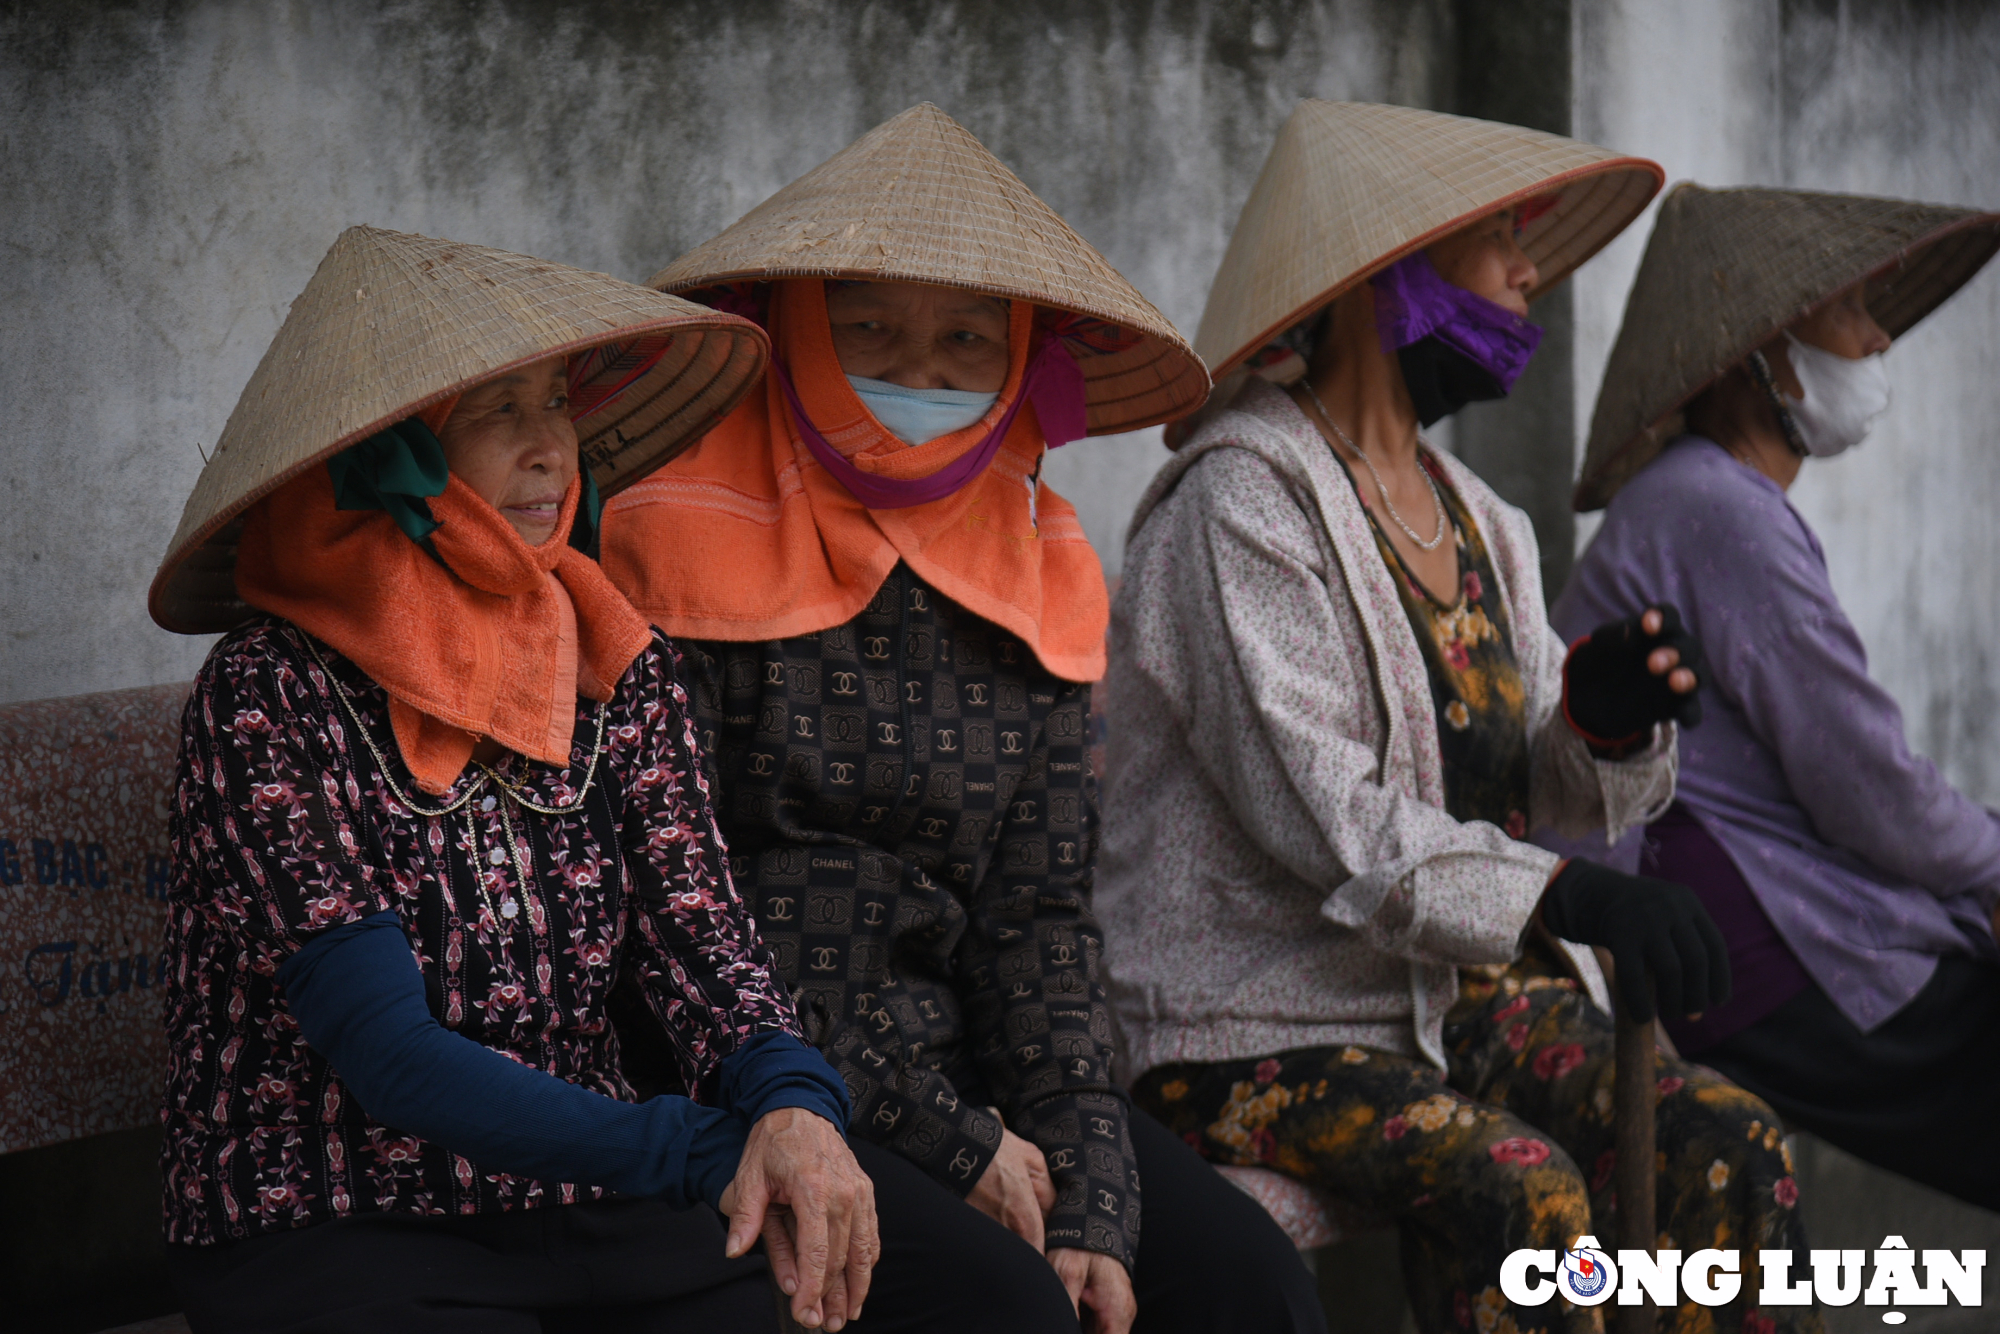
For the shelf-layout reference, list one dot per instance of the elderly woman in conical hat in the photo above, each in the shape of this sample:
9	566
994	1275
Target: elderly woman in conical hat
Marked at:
893	624
1857	889
1336	710
438	792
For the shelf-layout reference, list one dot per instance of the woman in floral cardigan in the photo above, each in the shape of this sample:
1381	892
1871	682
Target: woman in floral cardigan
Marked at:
1336	709
438	794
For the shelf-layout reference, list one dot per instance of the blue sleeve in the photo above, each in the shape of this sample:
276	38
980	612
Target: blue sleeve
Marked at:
359	1001
774	1069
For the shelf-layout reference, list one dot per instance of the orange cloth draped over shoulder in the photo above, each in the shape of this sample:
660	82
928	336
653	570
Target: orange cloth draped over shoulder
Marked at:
499	645
747	538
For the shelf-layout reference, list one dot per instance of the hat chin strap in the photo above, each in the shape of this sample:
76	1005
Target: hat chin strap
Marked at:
1760	371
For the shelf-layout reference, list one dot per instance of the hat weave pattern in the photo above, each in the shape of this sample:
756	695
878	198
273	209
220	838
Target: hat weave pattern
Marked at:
1352	187
1726	270
919	199
392	323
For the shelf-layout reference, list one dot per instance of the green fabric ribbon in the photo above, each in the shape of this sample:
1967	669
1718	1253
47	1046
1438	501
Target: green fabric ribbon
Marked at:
400	469
584	532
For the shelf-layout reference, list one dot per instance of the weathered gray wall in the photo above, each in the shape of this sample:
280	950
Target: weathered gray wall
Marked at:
173	173
1515	67
1892	97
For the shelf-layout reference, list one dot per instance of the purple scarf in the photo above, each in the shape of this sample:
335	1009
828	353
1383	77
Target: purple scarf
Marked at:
1053	380
1412	302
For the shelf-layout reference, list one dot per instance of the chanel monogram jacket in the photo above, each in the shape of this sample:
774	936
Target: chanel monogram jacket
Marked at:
908	808
1278	870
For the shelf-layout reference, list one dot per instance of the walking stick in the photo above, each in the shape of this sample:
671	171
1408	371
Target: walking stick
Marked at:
1633	1177
787	1325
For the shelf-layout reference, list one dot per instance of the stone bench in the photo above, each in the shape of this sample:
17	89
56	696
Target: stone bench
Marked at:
84	783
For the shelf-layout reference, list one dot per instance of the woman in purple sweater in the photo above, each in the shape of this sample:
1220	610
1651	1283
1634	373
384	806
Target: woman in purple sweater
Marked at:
1857	889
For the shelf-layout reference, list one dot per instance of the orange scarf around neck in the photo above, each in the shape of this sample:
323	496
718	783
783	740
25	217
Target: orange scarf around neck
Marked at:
747	538
499	645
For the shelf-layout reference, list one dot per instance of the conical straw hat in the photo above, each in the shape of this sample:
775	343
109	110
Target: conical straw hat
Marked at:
918	199
392	323
1726	270
1350	188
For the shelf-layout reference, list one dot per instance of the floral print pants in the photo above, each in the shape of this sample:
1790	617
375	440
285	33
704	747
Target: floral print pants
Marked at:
1511	1147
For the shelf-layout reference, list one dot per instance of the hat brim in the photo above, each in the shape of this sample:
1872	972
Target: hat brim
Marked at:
720	356
1596	202
1153	381
1901	292
919	199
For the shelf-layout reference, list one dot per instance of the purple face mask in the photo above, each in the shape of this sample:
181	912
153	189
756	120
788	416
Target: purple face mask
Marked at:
1455	347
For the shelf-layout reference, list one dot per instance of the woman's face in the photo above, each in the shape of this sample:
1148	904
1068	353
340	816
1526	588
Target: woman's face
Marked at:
1844	327
1486	260
511	441
920	336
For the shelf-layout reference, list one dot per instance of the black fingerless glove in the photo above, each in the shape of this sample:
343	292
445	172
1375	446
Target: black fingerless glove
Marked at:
1609	695
1653	928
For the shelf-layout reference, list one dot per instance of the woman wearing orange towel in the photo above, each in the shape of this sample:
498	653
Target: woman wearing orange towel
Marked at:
892	627
438	793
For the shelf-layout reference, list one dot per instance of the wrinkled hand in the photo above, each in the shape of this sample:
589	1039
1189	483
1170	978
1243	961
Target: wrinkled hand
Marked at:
1015	1189
1099	1283
799	1186
1633	673
1659	935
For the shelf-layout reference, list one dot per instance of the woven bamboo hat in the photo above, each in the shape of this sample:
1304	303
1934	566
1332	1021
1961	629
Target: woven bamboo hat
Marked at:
1351	187
1726	270
392	323
918	199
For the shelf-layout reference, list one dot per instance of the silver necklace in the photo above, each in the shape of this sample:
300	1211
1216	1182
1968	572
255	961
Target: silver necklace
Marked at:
508	908
1437	501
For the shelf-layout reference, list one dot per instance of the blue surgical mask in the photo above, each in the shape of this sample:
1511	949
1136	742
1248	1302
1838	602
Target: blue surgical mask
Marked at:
916	415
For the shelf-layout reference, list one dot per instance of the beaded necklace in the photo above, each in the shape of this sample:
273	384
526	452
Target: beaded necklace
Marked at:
511	795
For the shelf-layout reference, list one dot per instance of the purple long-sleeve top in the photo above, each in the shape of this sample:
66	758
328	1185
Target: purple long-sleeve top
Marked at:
1869	864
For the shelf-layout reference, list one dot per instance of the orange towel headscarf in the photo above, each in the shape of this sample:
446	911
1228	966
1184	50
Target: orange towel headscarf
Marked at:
499	645
747	537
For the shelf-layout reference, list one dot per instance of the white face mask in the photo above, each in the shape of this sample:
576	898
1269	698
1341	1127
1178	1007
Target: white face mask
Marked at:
1844	396
916	415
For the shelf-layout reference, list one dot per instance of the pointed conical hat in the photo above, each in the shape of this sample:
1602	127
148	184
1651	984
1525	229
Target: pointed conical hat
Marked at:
392	323
1726	270
1351	187
918	199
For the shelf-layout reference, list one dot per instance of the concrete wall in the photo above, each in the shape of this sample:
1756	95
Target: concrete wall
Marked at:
1892	97
1515	67
174	172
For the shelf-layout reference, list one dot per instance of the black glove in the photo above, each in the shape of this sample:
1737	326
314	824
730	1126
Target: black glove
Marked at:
1651	927
1609	692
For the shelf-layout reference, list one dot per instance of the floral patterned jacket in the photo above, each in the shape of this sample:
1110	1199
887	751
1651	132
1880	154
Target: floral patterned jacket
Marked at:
294	814
1278	867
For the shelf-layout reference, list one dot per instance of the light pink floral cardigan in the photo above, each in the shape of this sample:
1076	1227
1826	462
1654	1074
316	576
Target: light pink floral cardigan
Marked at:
1277	868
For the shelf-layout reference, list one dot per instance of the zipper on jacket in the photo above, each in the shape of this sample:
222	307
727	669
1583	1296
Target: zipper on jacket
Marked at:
902	654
